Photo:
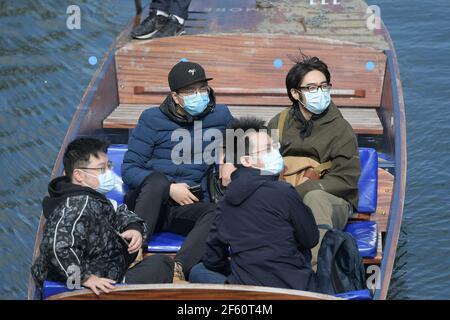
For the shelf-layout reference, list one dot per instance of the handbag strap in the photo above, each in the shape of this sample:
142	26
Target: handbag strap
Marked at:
281	122
323	166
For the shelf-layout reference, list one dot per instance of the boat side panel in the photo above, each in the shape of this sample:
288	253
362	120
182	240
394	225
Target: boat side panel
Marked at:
397	204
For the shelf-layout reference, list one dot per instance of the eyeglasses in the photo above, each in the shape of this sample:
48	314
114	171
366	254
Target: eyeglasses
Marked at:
109	166
326	87
274	146
189	92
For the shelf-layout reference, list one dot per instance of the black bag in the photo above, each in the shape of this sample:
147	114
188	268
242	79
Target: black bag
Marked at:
339	265
215	188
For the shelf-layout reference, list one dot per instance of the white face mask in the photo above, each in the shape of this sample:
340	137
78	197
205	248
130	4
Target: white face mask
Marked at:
106	181
273	162
317	102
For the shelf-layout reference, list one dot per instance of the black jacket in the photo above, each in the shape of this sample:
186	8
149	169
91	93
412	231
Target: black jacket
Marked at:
269	231
81	230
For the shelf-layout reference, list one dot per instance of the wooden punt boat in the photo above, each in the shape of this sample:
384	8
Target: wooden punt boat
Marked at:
245	46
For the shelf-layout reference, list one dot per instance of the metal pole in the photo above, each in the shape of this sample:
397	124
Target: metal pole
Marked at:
138	5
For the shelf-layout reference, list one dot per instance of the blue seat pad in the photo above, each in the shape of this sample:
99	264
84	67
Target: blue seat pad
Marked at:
365	234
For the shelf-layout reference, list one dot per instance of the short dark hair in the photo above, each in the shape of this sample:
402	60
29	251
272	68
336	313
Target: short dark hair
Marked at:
303	65
79	151
243	124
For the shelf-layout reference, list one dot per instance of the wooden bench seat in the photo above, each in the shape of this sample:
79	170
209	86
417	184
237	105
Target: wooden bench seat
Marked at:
362	120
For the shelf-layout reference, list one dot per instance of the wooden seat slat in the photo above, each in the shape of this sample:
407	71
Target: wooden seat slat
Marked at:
362	120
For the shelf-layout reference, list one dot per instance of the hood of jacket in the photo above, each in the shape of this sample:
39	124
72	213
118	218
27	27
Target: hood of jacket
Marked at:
169	108
245	182
59	189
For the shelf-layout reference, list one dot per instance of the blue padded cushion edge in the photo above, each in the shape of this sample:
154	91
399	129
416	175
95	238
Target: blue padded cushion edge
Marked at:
116	152
52	288
365	234
165	242
356	295
367	184
368	181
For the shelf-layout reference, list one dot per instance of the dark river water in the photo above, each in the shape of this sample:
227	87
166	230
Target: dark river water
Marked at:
45	69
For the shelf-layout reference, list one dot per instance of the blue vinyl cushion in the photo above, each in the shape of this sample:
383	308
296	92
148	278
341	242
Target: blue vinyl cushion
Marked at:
51	288
169	242
367	184
115	155
365	234
164	242
368	181
356	295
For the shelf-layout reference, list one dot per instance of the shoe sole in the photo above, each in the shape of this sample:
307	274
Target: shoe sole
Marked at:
176	35
145	36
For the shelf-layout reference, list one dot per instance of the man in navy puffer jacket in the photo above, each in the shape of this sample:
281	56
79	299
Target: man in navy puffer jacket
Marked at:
162	177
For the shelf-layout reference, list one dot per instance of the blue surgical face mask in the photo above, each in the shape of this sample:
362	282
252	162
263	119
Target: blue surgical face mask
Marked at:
317	102
273	162
196	103
106	181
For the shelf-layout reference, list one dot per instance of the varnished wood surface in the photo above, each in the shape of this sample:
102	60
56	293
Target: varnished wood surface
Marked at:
385	192
194	292
362	120
244	67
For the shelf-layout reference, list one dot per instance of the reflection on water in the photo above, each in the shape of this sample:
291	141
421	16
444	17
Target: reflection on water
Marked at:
45	69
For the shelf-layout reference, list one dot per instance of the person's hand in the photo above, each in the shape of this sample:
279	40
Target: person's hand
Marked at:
134	237
180	193
98	285
225	172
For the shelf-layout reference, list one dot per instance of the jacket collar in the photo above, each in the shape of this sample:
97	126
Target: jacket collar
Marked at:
59	189
169	108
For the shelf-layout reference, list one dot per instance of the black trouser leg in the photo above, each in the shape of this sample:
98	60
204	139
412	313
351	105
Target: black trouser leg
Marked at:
162	5
193	221
153	269
180	8
151	203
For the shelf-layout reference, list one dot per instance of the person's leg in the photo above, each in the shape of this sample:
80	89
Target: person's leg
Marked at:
327	209
200	274
157	18
174	26
193	221
161	5
153	269
151	203
180	8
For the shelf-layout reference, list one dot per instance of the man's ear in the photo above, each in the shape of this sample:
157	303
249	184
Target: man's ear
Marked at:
246	161
76	176
295	94
176	98
298	96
